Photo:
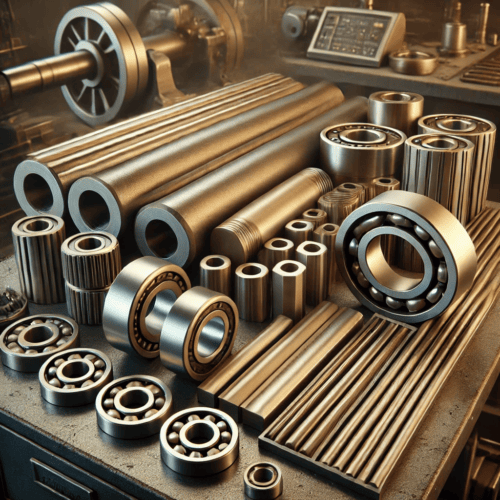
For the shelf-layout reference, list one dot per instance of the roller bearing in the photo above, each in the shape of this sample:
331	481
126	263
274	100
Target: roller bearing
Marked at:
198	333
441	241
263	481
199	442
26	344
74	377
133	407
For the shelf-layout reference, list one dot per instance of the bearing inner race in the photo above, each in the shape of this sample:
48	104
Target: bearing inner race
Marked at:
134	400
262	476
199	435
397	97
211	337
363	136
39	336
75	371
156	308
445	143
456	124
38	225
90	243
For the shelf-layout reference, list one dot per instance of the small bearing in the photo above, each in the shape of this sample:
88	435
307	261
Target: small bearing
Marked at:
138	302
199	442
74	377
198	333
26	344
263	481
133	407
13	306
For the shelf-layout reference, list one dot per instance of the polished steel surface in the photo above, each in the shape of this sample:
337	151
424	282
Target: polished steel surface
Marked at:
198	333
191	213
252	291
413	62
263	481
241	236
85	306
138	302
454	40
399	110
37	245
289	289
216	274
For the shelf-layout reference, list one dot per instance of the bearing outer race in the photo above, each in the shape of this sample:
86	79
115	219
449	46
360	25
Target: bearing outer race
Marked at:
128	293
269	492
75	397
205	466
180	331
443	228
133	429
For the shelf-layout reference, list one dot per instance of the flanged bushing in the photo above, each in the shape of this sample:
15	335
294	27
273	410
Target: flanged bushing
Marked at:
74	377
314	256
26	344
138	302
289	289
37	246
199	442
215	274
252	292
298	231
448	255
276	250
316	216
263	481
133	407
198	333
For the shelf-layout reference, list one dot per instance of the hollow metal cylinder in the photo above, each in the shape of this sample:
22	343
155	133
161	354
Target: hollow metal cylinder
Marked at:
187	216
298	231
215	274
289	289
352	187
443	245
37	246
327	235
361	152
314	256
252	292
483	23
275	250
399	110
338	205
85	306
42	181
110	199
198	333
243	234
381	185
316	216
454	40
263	481
439	166
138	302
482	134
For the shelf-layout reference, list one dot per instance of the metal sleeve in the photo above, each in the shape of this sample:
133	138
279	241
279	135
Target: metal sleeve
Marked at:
275	250
37	246
85	306
216	275
289	289
383	184
192	212
399	110
299	230
234	365
124	189
338	205
327	235
317	216
314	256
252	292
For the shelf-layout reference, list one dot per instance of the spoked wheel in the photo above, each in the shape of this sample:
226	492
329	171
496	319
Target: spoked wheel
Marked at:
121	72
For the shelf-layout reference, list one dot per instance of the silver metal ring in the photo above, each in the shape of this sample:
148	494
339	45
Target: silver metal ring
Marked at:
198	333
413	62
74	377
27	343
133	417
263	481
217	444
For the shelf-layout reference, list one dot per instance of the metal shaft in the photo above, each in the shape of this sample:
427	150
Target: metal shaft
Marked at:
483	23
188	216
122	191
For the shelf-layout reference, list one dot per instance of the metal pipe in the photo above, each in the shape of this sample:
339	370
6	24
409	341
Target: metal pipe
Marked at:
234	396
241	236
483	23
187	217
236	364
300	369
110	199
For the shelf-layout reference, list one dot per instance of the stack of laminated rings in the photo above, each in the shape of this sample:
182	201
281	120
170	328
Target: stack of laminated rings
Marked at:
26	344
74	377
443	244
133	407
199	442
263	481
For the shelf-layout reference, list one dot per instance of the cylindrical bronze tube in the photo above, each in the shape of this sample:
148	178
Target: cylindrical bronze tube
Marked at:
299	230
315	215
275	250
327	234
215	274
315	257
289	289
251	292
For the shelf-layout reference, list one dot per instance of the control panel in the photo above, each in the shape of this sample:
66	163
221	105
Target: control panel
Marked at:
357	36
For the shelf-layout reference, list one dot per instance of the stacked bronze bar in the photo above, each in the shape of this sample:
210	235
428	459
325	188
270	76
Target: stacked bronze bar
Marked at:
358	415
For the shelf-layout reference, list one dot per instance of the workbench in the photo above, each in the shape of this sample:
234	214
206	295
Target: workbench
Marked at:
69	442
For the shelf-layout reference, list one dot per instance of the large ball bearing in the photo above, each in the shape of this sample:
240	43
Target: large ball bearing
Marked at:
447	252
74	377
26	344
199	442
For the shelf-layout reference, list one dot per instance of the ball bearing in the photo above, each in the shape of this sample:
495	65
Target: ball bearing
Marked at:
198	333
133	407
74	377
263	481
446	250
199	442
27	343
